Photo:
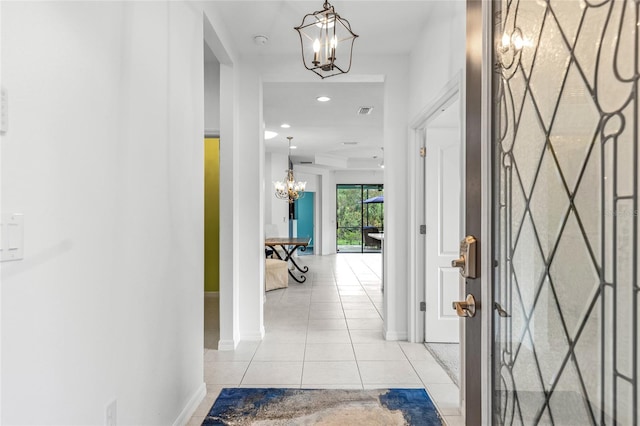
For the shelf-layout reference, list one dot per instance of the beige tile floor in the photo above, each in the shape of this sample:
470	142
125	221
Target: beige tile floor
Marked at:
326	333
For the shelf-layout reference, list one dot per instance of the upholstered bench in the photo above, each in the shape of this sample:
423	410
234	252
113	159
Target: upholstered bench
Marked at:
276	274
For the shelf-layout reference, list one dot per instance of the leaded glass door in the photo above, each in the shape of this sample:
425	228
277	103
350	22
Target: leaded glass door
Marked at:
565	143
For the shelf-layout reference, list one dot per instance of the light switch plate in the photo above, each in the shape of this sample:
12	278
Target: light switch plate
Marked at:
11	236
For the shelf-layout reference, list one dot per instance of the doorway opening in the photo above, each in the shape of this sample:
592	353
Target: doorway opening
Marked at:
211	214
211	242
304	217
444	220
439	213
359	212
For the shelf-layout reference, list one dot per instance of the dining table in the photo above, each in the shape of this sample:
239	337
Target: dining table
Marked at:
289	247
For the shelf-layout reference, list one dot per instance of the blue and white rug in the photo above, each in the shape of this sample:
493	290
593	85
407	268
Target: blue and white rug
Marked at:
273	406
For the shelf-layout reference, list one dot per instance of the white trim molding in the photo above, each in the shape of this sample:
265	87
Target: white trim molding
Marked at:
191	406
395	335
227	345
450	92
253	337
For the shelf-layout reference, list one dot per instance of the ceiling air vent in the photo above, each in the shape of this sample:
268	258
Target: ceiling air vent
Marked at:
306	162
365	110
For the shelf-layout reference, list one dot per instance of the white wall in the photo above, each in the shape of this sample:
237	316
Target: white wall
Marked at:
312	179
276	211
1	210
371	177
218	39
395	277
250	212
432	63
437	58
242	187
104	158
212	96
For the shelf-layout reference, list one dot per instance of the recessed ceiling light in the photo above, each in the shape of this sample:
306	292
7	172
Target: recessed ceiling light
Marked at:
285	125
349	143
323	99
294	147
268	134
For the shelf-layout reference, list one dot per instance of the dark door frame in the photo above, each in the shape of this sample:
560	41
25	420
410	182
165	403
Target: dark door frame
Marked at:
477	330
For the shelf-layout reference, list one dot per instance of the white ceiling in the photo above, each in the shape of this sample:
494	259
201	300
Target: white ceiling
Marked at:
325	128
320	129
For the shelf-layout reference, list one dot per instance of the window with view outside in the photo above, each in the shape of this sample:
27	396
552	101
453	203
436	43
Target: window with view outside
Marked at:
356	219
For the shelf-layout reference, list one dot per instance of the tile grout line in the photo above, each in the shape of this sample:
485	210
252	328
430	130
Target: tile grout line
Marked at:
306	334
353	349
365	291
250	362
349	328
348	280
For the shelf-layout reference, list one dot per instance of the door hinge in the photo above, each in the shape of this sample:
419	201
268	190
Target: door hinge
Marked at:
423	151
423	306
423	229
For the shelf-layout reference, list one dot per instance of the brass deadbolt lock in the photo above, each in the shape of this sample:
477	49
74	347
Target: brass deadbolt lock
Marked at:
467	260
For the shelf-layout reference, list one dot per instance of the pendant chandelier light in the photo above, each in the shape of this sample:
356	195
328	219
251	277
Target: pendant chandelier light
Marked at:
288	189
327	42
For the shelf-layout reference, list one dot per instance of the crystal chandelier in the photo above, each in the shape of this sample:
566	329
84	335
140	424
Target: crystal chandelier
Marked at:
325	37
288	189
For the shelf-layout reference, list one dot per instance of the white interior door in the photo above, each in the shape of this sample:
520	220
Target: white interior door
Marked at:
443	208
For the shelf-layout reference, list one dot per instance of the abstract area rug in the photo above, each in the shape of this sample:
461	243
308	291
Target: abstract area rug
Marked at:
273	406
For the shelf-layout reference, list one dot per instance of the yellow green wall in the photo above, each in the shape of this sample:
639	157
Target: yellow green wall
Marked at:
211	214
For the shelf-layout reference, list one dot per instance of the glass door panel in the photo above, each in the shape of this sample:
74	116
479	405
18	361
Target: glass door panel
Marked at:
565	206
359	212
372	216
349	218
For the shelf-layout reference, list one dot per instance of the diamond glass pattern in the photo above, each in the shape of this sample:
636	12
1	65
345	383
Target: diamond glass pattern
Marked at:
549	203
569	282
566	172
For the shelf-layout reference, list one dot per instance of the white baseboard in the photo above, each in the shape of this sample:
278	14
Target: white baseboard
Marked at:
230	345
253	337
395	335
192	405
227	345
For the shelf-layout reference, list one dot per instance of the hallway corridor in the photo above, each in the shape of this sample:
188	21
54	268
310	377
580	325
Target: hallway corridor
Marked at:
327	333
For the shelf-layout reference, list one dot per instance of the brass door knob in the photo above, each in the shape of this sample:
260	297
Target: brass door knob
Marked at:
466	308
